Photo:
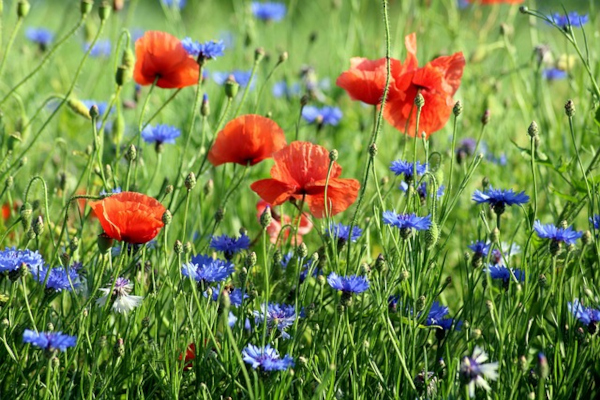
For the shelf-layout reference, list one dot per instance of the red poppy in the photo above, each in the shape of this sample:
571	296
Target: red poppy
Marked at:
248	139
437	82
129	216
160	55
279	221
190	355
300	172
6	210
365	80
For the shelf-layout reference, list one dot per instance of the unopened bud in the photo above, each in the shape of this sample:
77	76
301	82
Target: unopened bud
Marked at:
570	108
178	247
420	304
283	57
431	235
250	260
485	118
205	107
419	101
301	250
266	218
38	225
79	108
231	87
495	235
74	243
333	155
259	53
167	217
119	349
373	150
169	189
533	130
187	248
131	154
23	8
26	215
86	6
543	368
104	11
122	75
458	108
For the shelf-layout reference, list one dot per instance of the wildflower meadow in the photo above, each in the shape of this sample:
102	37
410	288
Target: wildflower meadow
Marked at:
326	199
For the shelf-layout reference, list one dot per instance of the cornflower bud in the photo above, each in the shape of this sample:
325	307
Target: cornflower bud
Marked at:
457	109
178	247
485	118
167	217
419	101
570	108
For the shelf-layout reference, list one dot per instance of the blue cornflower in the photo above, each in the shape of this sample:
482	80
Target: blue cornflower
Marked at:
406	168
41	36
241	77
12	259
205	51
49	341
595	220
406	221
204	268
393	303
348	284
572	18
59	278
585	315
500	198
480	248
500	160
269	11
280	316
179	4
228	245
322	116
553	74
342	232
235	295
102	48
112	191
282	89
562	235
438	316
160	134
499	271
422	190
267	359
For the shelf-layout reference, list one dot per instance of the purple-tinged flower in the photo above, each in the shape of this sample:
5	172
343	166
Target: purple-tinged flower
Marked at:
562	235
279	316
480	248
406	168
406	221
242	78
266	359
40	36
160	134
49	341
322	116
473	372
595	221
422	190
102	48
123	300
269	11
348	284
499	271
438	316
342	232
235	295
229	245
204	268
205	51
572	19
59	278
554	74
393	303
586	315
498	199
12	259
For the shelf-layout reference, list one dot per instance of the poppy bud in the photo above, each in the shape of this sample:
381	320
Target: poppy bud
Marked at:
104	11
122	75
231	87
570	108
485	118
79	108
128	59
31	234
104	243
333	155
458	108
86	6
419	101
205	107
421	301
23	8
38	225
178	247
131	153
14	140
26	211
190	181
167	217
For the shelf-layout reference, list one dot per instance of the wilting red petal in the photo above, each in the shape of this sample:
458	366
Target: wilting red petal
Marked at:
248	139
300	172
161	55
129	216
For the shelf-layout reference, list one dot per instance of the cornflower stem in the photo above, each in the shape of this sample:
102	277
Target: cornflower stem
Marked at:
47	392
139	135
266	282
377	128
535	194
11	40
45	59
185	213
452	155
262	88
46	207
257	61
64	100
583	173
298	121
327	209
98	151
156	169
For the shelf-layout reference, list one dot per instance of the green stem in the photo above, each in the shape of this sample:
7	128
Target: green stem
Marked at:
11	40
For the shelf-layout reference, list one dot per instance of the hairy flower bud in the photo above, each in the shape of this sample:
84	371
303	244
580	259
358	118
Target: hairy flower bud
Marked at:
570	108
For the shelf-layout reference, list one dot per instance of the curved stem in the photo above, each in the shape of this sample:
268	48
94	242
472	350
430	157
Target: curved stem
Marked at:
11	40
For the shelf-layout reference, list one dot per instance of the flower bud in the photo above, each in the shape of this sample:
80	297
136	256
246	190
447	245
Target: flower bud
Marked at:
485	118
495	235
104	243
119	349
219	214
79	108
301	250
190	181
533	130
167	217
169	189
104	11
26	215
373	150
419	101
205	107
74	244
570	108
23	8
404	275
131	154
259	53
283	57
457	109
38	225
250	260
86	6
420	304
333	155
178	247
266	218
231	87
122	75
543	368
187	248
431	235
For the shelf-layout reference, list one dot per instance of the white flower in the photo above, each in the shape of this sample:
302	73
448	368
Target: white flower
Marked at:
474	373
123	301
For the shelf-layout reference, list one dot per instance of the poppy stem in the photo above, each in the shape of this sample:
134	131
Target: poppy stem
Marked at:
11	40
139	135
247	88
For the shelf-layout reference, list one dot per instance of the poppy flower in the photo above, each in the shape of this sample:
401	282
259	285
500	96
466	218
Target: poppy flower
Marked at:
365	80
248	139
160	55
128	216
437	82
300	173
190	355
279	222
